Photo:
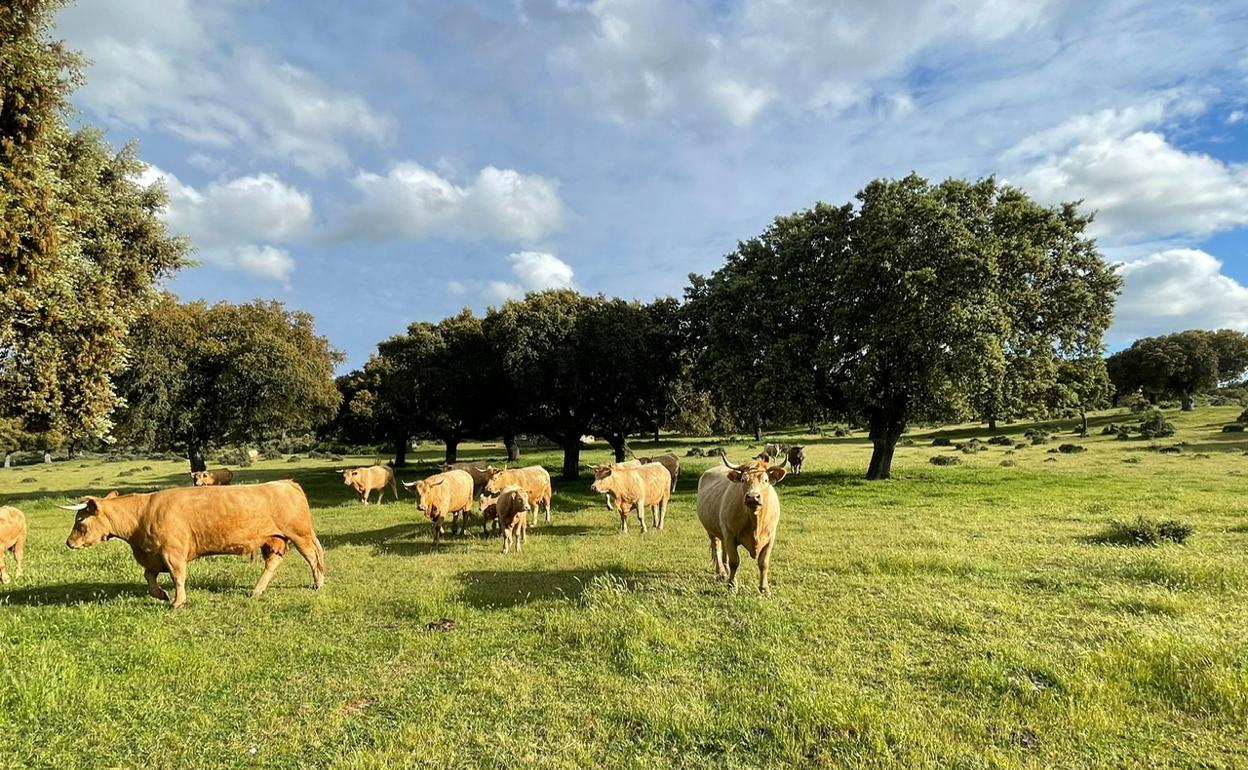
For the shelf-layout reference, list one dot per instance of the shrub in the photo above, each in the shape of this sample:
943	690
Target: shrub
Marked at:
1071	449
840	431
1037	436
1134	402
1243	416
1124	433
1145	531
971	447
292	459
32	479
1109	430
1132	460
1155	425
1001	441
944	460
1021	445
1171	450
1235	427
695	452
1007	463
906	442
942	441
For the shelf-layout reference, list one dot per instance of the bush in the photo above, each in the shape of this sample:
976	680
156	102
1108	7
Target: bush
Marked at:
1021	445
942	441
1145	531
971	447
1124	433
1007	463
1135	403
1155	425
906	442
1235	427
1243	416
1036	436
293	459
1001	441
1132	460
1109	430
1071	449
945	460
695	452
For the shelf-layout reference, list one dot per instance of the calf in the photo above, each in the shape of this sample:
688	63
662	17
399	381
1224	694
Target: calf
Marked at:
217	477
669	461
365	480
643	485
167	530
513	516
533	479
12	539
797	458
738	506
443	493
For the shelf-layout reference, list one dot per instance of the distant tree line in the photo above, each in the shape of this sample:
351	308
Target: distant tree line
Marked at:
1180	365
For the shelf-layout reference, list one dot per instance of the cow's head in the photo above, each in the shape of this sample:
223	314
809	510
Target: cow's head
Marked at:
351	476
422	489
91	524
489	507
521	500
604	481
755	477
201	478
494	484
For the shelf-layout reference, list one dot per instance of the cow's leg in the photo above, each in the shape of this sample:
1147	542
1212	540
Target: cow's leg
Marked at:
548	495
624	521
153	585
309	547
521	536
717	559
19	550
641	516
273	550
4	573
610	502
437	530
177	570
764	569
734	562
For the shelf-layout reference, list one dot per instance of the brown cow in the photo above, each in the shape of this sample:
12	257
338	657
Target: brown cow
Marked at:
643	485
797	458
167	530
365	480
610	497
12	539
489	512
480	473
443	493
738	505
534	479
217	477
669	461
513	516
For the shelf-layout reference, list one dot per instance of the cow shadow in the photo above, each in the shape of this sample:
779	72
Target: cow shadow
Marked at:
501	589
69	593
368	537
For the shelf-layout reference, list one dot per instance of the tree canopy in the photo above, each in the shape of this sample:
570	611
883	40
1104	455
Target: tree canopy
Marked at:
1179	365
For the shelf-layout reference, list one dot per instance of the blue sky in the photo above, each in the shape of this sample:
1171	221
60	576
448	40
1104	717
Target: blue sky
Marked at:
377	163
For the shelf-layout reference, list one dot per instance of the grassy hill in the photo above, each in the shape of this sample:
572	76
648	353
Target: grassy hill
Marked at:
961	616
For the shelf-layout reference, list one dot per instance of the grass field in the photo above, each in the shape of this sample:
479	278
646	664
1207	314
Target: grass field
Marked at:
955	617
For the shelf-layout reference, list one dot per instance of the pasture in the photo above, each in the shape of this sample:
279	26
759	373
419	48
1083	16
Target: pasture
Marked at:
958	616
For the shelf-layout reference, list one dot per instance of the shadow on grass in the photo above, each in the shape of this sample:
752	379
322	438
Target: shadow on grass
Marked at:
70	593
496	589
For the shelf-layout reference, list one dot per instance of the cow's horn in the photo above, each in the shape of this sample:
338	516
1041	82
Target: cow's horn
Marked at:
409	485
75	507
724	457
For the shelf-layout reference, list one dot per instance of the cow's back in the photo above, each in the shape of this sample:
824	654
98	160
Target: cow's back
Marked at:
12	525
715	500
378	476
229	518
657	480
455	492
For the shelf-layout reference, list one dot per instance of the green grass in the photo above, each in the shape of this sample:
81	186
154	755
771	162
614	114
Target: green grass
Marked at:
955	617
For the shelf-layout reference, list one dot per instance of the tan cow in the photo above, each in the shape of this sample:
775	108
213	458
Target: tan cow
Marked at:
513	516
534	479
443	493
217	477
365	480
669	461
738	506
642	486
480	473
12	539
610	497
167	530
797	458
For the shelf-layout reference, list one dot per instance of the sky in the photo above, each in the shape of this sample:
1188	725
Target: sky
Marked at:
377	162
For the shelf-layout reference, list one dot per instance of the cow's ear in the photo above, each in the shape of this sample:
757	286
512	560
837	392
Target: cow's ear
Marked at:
734	475
777	474
111	495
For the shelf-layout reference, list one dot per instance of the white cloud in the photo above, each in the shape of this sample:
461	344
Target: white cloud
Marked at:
233	223
165	65
1236	116
1174	290
414	202
532	271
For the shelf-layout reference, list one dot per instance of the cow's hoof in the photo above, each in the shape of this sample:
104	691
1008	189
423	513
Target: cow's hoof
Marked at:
732	588
5	579
765	590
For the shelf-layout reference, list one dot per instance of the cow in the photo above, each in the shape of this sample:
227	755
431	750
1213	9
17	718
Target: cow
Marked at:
167	530
12	539
480	473
443	493
669	461
797	458
513	516
489	512
626	464
365	480
642	486
738	506
217	477
534	479
773	450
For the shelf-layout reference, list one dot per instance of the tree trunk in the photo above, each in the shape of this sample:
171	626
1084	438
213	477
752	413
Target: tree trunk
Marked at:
656	433
1153	398
47	456
619	445
400	451
1083	422
195	453
758	431
885	432
572	458
513	449
452	449
992	423
8	458
1187	402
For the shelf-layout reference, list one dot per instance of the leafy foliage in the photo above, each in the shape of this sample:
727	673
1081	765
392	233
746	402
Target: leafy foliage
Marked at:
1146	531
1155	425
1179	365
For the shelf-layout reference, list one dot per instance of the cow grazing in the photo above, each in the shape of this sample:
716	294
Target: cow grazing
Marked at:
533	479
797	458
669	461
167	530
12	539
513	516
217	477
365	480
738	506
641	486
444	493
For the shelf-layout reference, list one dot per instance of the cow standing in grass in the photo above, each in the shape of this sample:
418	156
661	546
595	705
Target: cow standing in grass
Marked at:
738	506
12	539
669	461
797	458
513	508
365	480
533	479
610	497
441	494
217	477
167	530
640	486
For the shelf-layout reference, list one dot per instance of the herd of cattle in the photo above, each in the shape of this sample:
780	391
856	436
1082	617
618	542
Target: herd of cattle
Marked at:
166	530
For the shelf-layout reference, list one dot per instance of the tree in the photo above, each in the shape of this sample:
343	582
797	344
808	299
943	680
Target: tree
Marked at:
1175	365
203	374
1231	348
1082	385
901	309
81	243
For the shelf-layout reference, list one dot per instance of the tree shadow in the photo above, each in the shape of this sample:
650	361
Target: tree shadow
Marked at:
69	593
367	537
500	589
